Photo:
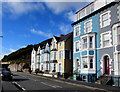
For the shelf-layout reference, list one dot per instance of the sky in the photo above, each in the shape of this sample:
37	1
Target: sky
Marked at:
26	23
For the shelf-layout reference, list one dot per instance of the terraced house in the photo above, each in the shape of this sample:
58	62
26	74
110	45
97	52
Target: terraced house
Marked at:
96	40
54	56
40	56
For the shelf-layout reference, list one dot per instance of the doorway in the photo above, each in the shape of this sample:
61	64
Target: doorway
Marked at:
106	65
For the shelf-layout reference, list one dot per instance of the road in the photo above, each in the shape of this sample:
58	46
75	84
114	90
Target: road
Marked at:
23	81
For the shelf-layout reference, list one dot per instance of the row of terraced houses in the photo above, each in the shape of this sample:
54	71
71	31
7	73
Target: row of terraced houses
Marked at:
91	50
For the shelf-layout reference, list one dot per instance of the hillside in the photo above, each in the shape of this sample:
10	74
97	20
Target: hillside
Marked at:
23	55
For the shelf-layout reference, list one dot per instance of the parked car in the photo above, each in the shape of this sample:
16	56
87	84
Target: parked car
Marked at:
6	74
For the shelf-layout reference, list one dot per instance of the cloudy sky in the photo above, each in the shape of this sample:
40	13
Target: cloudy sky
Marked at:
25	23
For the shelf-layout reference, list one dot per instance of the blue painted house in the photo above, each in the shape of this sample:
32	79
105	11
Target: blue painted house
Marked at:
87	50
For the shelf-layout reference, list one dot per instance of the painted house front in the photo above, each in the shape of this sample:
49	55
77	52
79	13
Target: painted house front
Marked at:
61	54
93	40
54	55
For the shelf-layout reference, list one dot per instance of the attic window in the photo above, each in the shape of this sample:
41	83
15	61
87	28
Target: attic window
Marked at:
60	44
53	44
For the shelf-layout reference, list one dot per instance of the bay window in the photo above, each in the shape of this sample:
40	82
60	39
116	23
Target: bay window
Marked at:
91	42
84	43
88	62
118	33
77	64
88	41
84	60
54	55
91	62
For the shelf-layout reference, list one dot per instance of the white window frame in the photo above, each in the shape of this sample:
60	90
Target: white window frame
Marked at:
118	12
84	44
76	47
92	62
78	26
115	34
88	27
76	63
110	39
108	19
61	54
60	44
60	69
88	41
85	63
88	62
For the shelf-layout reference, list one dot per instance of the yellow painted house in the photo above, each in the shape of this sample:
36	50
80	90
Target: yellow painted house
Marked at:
61	54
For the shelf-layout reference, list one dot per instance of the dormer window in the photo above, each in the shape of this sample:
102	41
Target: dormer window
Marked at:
47	47
60	44
54	44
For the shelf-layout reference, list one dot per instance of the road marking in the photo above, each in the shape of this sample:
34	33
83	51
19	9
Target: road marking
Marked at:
19	86
80	85
53	86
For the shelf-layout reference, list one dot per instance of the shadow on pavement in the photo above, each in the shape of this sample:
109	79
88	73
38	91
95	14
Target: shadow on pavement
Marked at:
20	79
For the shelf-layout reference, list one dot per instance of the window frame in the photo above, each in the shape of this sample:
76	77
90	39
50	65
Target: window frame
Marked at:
61	54
108	19
75	46
78	26
91	63
110	39
86	27
88	41
87	63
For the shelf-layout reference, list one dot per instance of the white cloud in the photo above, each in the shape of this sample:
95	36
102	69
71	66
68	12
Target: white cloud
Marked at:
71	16
47	0
65	28
12	50
20	8
66	8
59	7
42	33
1	56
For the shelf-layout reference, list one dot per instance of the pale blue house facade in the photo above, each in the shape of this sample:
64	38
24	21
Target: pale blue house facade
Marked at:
87	49
85	55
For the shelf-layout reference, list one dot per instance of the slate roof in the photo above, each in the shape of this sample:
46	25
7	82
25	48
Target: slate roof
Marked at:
65	37
42	44
59	39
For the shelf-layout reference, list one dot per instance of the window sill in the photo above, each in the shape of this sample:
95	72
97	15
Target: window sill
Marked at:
104	26
106	47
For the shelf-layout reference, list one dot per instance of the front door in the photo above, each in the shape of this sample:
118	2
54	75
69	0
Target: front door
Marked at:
106	65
